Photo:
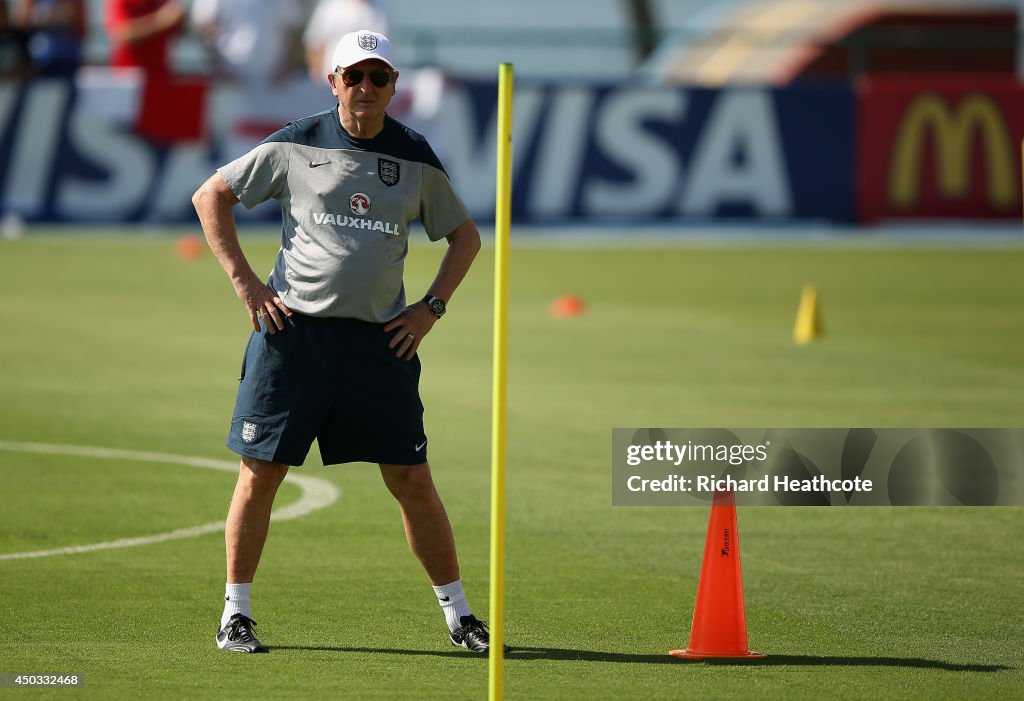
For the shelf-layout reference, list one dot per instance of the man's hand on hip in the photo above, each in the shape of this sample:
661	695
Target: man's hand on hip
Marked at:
261	302
410	326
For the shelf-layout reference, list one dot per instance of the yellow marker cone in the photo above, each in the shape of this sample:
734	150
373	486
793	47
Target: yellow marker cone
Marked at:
808	317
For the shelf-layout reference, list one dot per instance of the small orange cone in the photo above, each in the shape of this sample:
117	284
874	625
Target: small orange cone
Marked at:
566	306
189	247
719	620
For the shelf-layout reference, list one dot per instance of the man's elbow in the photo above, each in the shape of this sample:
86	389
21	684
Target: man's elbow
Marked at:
202	198
212	194
473	244
468	237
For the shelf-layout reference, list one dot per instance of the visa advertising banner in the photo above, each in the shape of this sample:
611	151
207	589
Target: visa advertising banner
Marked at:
78	151
636	153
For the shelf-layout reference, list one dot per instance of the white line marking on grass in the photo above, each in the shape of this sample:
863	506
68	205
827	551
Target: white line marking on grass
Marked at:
317	494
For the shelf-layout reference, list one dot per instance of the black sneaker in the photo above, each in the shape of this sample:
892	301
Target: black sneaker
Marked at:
237	636
472	635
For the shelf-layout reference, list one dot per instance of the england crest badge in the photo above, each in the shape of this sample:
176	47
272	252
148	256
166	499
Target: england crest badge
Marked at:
388	171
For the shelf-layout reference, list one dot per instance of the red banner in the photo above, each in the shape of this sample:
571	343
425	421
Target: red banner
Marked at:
932	147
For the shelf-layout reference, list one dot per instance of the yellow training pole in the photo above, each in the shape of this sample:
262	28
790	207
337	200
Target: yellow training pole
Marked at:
502	222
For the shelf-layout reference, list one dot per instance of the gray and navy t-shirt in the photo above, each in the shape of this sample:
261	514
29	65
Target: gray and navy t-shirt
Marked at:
346	207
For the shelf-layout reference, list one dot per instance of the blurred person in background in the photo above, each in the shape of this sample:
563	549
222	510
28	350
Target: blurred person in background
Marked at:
14	59
251	41
56	31
333	19
141	32
171	109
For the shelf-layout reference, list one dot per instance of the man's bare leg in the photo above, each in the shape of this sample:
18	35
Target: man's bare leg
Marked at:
426	522
248	522
245	533
430	537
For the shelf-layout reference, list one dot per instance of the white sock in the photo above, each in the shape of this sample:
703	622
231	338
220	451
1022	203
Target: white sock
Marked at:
236	600
453	601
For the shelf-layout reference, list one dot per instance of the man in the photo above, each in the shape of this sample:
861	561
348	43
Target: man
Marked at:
333	353
15	60
57	30
141	32
254	42
332	19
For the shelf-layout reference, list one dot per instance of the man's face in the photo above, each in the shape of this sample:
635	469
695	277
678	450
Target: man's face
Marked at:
364	99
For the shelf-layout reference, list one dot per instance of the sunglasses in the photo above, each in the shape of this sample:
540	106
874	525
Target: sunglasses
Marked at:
353	77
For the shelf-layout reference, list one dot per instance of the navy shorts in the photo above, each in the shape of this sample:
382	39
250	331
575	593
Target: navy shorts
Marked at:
334	380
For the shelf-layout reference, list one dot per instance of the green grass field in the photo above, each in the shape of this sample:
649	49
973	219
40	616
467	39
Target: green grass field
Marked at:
114	342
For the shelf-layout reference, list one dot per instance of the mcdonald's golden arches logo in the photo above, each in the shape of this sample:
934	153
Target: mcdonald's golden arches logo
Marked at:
952	130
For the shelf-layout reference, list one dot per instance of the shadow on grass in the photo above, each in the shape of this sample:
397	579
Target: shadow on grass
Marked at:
547	653
452	653
568	655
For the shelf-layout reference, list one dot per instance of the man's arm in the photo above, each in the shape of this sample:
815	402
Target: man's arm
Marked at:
315	62
463	245
416	321
130	30
213	202
290	56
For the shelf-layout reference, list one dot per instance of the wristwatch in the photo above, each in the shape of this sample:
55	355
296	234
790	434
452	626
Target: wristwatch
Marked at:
436	305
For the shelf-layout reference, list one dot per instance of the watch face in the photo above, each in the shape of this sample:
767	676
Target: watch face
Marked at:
437	306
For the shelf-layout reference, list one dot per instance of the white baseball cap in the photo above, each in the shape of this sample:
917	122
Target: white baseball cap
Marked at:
360	46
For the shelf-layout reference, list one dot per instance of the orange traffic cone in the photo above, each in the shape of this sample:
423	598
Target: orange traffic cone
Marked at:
567	306
189	246
719	620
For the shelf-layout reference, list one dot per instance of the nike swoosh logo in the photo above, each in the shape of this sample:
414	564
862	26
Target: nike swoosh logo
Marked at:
443	598
317	165
420	446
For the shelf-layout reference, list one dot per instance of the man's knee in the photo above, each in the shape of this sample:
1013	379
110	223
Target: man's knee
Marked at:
260	475
408	481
